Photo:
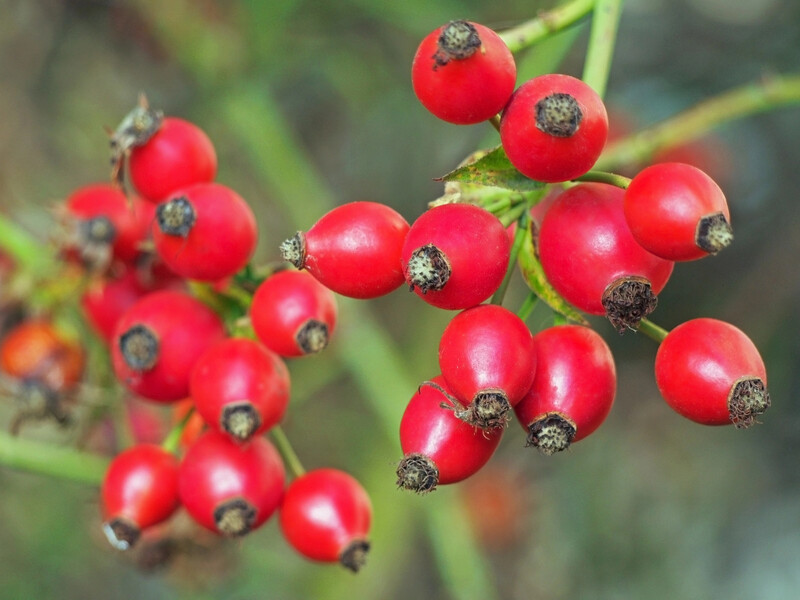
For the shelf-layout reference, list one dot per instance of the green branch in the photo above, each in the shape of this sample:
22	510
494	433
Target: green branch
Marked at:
49	459
602	38
546	23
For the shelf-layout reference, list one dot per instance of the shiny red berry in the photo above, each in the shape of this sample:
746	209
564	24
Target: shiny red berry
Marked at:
231	488
158	341
455	255
326	515
463	73
591	258
554	128
573	390
140	489
206	232
487	357
240	387
438	447
293	314
353	249
709	371
677	212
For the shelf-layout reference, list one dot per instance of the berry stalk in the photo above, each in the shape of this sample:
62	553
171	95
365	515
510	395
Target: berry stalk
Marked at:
287	451
546	23
605	21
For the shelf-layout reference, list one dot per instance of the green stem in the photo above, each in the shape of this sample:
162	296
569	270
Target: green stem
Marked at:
545	24
287	451
519	237
495	122
605	21
173	439
527	306
49	459
652	330
513	214
753	98
619	181
28	252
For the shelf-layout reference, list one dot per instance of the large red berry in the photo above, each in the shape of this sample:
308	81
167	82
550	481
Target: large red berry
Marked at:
554	128
353	249
178	154
206	232
573	390
159	339
463	73
293	314
591	258
240	387
709	371
438	447
326	515
455	255
231	488
140	489
677	212
487	357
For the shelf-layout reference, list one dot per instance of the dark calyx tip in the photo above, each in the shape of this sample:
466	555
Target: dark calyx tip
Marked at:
458	40
428	269
97	230
121	533
235	517
312	337
176	216
748	399
135	129
240	419
139	347
418	473
550	434
293	250
489	409
558	115
713	233
355	555
627	301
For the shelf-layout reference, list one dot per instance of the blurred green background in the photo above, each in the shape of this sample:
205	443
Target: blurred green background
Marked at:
310	105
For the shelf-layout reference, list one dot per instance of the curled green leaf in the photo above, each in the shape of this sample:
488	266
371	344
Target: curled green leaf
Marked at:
492	168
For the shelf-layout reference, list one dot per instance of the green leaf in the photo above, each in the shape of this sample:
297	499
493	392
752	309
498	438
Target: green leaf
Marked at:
533	274
492	167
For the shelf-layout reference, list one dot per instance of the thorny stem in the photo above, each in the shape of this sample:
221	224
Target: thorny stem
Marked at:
597	65
287	452
619	181
653	331
545	24
767	94
519	237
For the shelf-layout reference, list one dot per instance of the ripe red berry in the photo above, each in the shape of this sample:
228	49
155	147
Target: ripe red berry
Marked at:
677	212
554	128
438	447
710	372
326	515
177	155
590	257
487	358
205	232
231	488
159	339
240	387
140	489
455	255
353	249
293	314
463	73
573	390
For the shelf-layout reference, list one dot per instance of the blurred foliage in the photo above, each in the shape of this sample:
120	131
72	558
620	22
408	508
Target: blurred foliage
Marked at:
310	105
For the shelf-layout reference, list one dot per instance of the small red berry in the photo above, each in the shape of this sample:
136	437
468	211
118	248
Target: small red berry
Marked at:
240	387
591	258
206	232
293	314
487	358
158	341
709	371
455	255
353	249
573	390
231	488
140	489
438	447
326	515
463	73
554	128
677	212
